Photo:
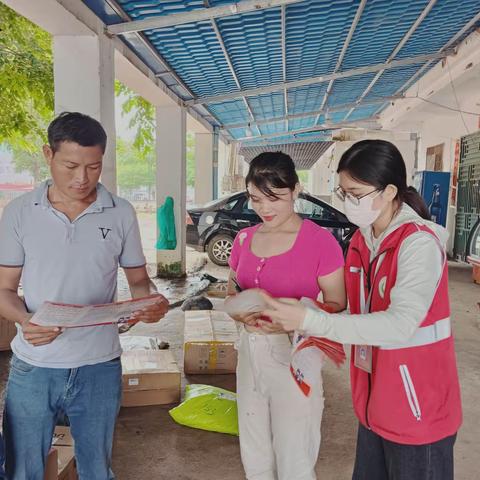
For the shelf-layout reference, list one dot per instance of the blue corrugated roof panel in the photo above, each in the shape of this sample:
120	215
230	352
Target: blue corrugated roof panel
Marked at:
238	132
306	99
233	111
347	90
267	106
196	55
253	43
440	25
269	128
316	30
298	138
315	34
336	117
382	26
298	123
153	8
363	112
391	81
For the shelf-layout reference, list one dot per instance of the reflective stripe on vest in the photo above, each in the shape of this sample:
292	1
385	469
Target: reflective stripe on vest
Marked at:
440	330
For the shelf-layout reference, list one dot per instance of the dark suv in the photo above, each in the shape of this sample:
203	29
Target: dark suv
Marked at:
213	227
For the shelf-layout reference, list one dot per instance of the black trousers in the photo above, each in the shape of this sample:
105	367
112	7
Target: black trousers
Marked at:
380	459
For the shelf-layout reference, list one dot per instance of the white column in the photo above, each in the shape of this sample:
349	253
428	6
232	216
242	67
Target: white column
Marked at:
84	77
171	181
204	143
222	165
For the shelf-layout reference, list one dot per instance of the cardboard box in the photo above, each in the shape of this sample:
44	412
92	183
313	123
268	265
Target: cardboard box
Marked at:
8	330
67	469
210	339
138	342
150	377
62	437
61	459
51	467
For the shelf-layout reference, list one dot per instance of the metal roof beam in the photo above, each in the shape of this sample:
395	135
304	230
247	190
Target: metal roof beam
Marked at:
402	42
236	8
169	70
294	141
338	108
323	78
459	34
284	62
353	26
317	128
229	62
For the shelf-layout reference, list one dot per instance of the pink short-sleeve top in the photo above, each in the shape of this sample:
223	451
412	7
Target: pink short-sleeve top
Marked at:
294	273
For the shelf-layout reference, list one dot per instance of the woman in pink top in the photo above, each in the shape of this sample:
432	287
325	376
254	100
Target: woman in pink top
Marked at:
287	257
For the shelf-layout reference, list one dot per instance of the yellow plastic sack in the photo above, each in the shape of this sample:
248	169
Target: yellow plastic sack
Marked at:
208	408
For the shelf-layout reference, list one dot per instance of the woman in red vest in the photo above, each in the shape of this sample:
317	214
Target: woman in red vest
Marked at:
404	377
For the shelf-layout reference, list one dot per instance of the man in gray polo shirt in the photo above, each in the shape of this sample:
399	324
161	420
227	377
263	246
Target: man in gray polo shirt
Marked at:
65	241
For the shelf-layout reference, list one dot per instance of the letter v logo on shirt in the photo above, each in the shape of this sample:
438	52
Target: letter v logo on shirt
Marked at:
104	231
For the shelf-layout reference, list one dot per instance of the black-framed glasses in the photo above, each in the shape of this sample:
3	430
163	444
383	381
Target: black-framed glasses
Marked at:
343	195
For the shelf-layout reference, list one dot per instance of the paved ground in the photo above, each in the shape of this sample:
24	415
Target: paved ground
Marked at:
148	444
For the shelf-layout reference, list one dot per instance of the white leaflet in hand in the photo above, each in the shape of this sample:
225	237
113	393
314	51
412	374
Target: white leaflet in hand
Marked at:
71	316
248	301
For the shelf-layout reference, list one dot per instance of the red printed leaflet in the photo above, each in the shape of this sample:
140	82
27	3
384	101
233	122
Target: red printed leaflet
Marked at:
62	315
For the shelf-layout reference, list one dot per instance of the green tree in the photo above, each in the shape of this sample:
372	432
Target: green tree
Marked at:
32	162
190	159
26	80
142	119
142	122
303	177
133	170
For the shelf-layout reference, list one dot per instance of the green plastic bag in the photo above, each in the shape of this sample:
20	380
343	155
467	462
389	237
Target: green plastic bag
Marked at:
208	408
167	238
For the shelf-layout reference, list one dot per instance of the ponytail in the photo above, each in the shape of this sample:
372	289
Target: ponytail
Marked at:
379	163
412	198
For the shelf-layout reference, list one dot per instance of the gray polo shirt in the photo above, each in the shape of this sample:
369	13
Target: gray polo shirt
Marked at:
70	262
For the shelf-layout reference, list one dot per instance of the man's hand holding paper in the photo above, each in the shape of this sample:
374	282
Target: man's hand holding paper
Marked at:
147	309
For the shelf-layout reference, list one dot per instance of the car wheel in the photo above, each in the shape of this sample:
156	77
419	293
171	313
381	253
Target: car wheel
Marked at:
219	249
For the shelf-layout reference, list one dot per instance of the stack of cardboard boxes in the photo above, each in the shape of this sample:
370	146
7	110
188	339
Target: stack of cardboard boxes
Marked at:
210	338
150	376
61	459
7	331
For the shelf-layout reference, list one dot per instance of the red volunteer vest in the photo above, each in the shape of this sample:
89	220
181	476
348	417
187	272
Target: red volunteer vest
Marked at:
412	395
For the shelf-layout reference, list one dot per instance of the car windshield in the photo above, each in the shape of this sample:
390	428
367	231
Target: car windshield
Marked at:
216	201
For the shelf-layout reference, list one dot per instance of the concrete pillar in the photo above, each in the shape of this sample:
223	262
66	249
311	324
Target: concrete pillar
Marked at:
84	76
204	144
206	167
171	181
222	166
215	163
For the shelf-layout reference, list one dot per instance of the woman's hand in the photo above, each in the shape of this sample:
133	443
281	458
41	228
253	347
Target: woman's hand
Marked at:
249	319
270	327
288	312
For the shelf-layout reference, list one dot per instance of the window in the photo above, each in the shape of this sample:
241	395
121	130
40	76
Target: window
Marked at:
230	205
311	209
247	207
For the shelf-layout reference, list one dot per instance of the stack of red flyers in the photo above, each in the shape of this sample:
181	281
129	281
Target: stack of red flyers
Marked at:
308	353
333	350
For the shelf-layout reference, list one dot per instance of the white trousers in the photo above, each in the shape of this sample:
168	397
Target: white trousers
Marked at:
279	426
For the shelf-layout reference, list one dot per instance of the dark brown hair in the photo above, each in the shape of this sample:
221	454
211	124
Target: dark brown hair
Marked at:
76	127
379	163
272	170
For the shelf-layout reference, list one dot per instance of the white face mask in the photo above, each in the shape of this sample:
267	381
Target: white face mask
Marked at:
362	214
